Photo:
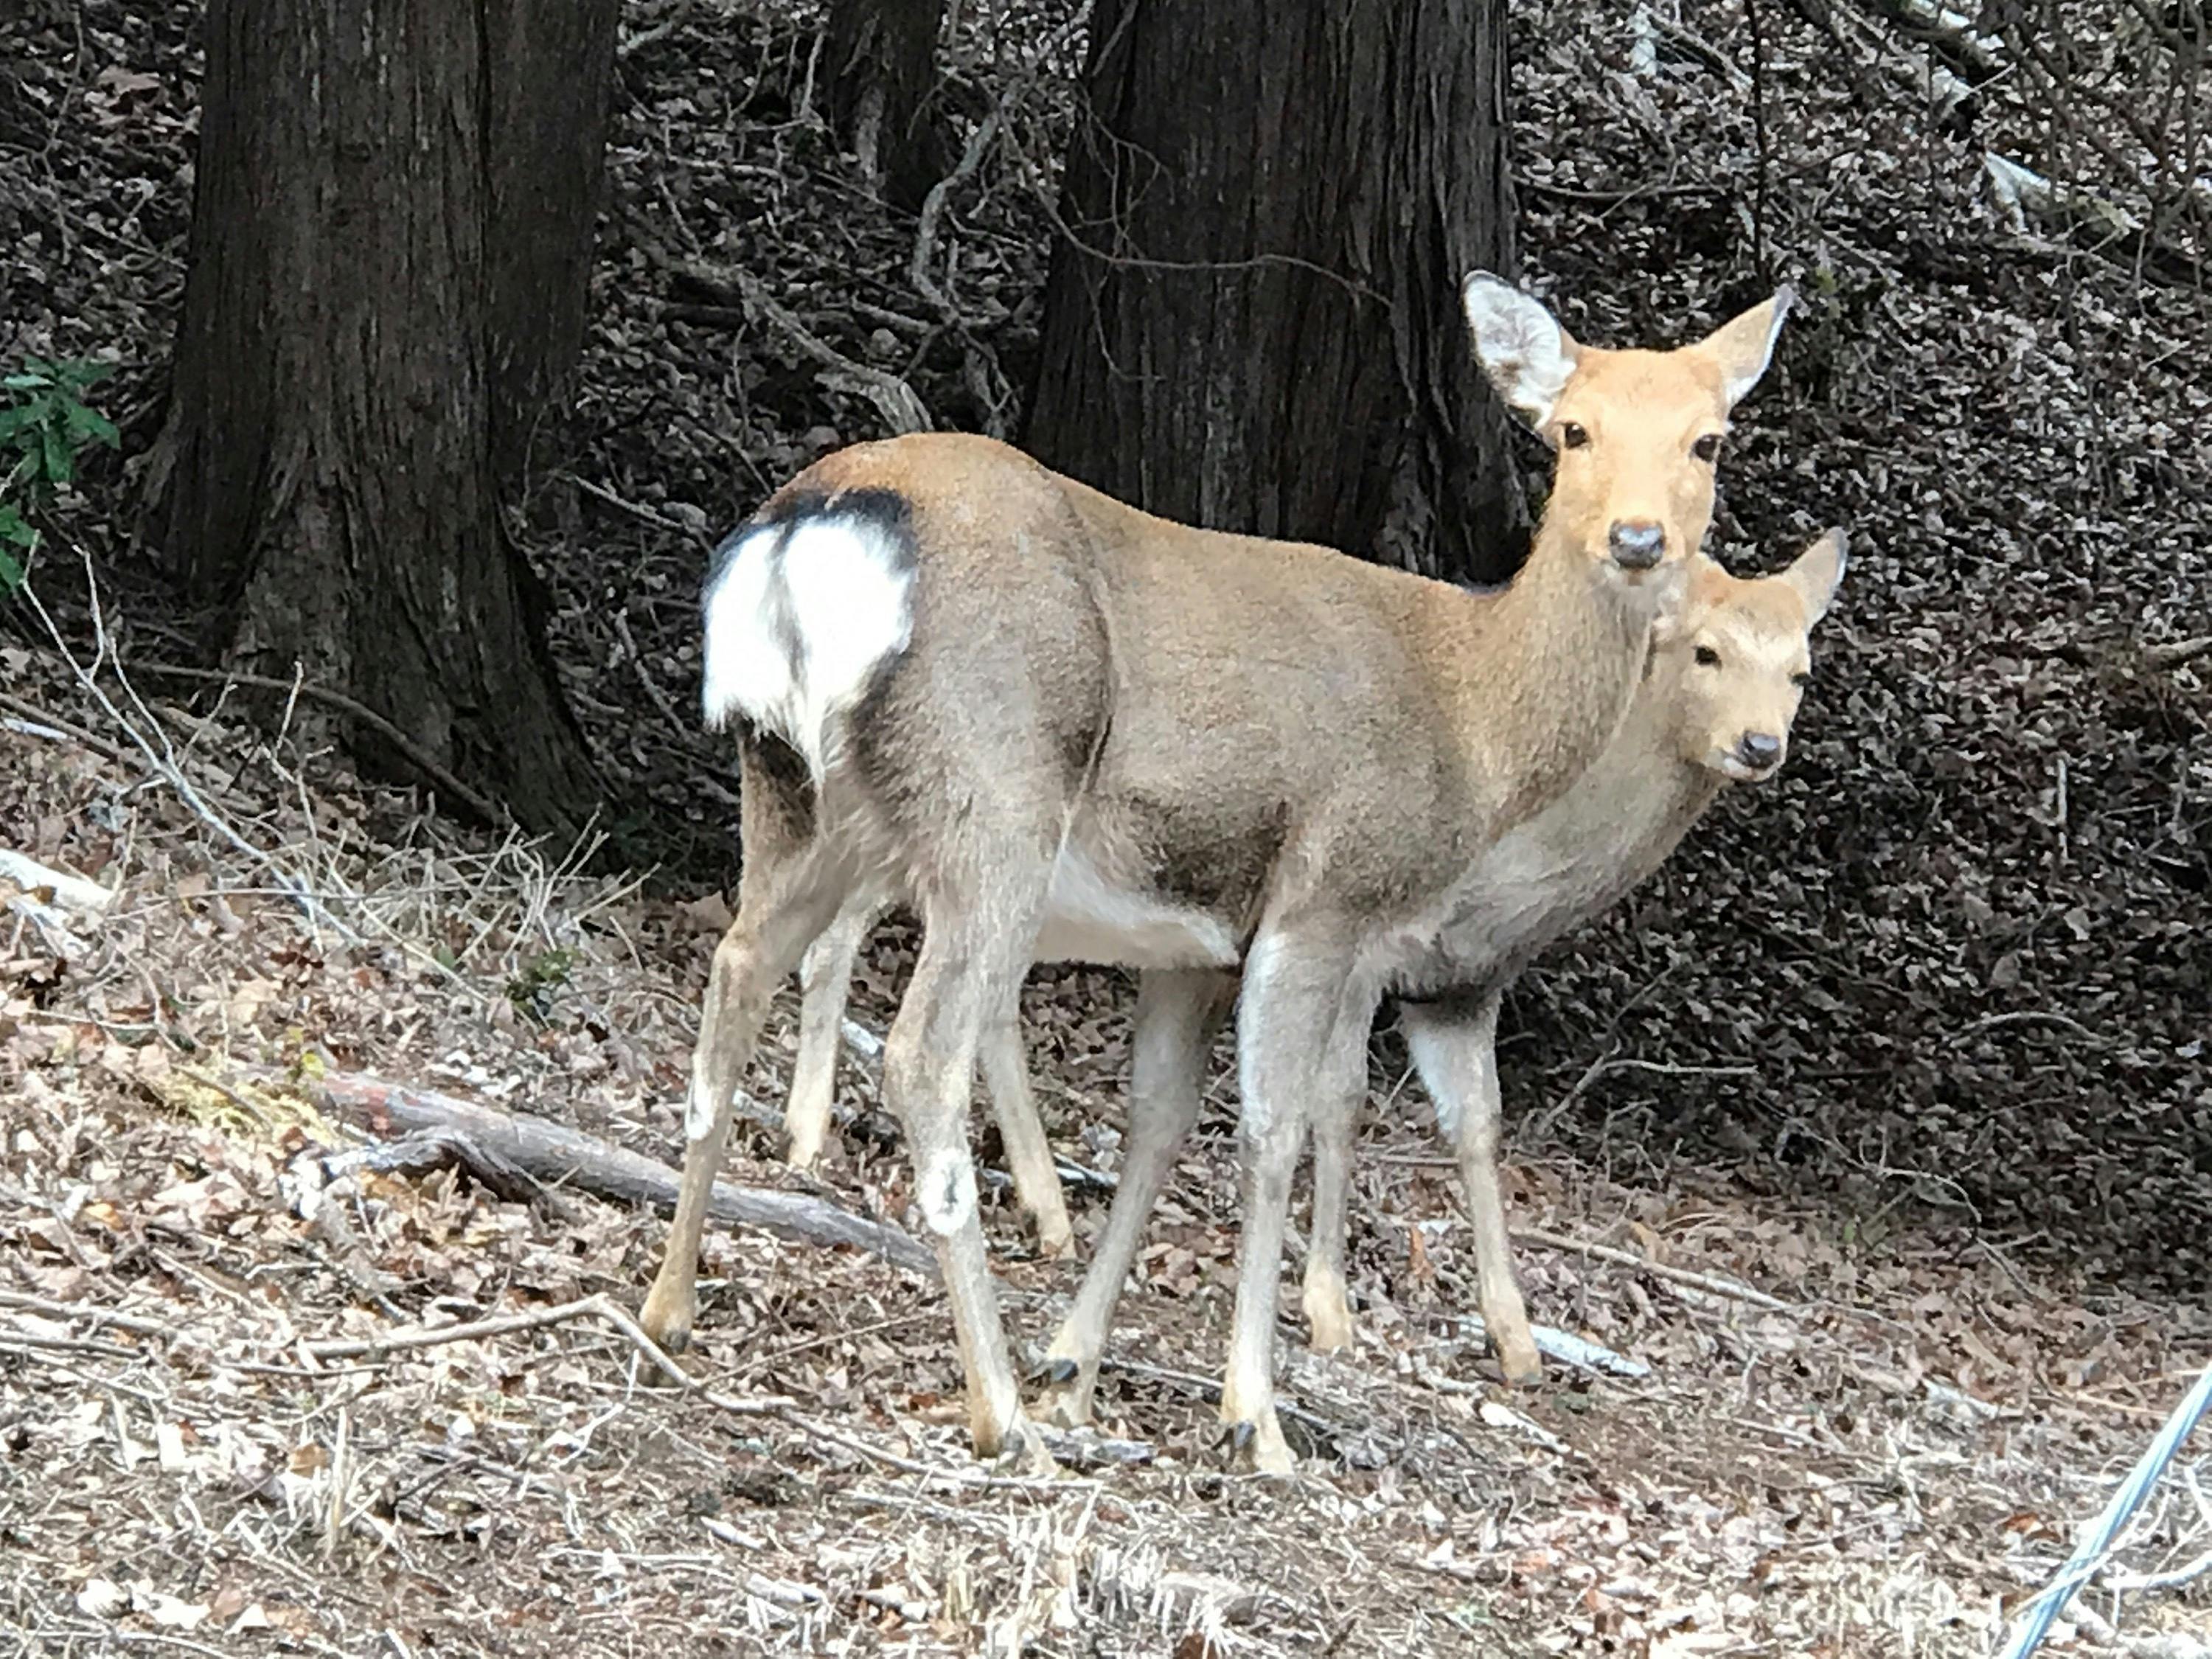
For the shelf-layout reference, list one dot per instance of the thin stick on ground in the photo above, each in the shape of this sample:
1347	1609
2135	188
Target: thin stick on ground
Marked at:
53	1310
1711	1283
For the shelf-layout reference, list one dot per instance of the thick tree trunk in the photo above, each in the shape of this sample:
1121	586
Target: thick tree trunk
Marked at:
553	63
1256	324
390	234
881	57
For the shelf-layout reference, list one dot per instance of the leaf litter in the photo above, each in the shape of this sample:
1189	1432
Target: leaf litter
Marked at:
1960	949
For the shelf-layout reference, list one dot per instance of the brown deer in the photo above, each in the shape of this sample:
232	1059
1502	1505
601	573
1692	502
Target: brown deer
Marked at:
1727	672
1064	729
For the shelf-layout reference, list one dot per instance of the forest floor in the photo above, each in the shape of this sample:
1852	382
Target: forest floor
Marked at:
1905	1056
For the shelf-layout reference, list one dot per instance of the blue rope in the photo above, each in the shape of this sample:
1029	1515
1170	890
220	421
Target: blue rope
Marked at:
2035	1618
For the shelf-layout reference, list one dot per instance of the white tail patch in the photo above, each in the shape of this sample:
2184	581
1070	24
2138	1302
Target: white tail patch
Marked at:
799	616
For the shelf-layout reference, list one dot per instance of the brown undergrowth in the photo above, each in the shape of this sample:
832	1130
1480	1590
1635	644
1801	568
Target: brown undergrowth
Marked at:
1842	1444
1911	1042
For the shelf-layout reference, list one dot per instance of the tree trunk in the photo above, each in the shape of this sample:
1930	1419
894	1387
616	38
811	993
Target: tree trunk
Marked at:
882	59
390	235
546	139
1254	324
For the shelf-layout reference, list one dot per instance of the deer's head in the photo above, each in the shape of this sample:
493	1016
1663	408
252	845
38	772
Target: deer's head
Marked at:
1637	433
1730	664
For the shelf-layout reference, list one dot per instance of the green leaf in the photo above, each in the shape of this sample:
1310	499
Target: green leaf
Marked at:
89	426
11	572
28	382
60	467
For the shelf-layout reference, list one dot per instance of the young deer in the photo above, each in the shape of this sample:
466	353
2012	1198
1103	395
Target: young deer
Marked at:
1726	674
1064	729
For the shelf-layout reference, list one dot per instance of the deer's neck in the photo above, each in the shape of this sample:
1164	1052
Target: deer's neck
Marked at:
1559	657
1643	796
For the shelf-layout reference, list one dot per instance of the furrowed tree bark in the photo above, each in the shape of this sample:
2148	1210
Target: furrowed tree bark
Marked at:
390	234
882	62
551	94
1254	323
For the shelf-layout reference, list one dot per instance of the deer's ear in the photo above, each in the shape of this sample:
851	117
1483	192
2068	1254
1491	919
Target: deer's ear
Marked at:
1744	346
1528	357
1818	572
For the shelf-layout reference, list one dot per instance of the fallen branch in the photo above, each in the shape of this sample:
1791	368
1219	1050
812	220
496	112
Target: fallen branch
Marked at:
10	1337
2173	653
71	892
92	1311
1566	1347
433	1336
1711	1283
2085	220
555	1153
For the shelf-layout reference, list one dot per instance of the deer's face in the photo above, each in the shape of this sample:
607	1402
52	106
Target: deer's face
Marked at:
1732	663
1638	434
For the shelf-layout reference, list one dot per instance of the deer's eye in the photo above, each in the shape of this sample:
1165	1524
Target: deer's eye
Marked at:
1573	436
1708	658
1707	448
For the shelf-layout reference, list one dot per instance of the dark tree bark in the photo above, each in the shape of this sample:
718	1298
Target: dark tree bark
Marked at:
552	79
882	62
390	234
1254	322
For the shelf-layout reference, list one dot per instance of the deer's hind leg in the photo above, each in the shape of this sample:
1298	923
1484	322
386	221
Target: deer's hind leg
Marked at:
793	881
1327	1296
975	948
1013	1106
826	979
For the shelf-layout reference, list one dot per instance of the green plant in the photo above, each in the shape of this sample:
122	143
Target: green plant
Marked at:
45	424
531	989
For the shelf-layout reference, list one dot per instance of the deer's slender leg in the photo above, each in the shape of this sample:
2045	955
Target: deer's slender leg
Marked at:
1455	1047
972	957
1299	1036
826	979
785	903
1178	1012
1328	1299
1013	1105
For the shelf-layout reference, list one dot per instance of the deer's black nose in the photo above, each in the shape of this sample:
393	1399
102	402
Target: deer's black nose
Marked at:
1760	750
1637	544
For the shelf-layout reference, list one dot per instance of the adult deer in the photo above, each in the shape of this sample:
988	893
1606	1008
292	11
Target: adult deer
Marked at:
1726	675
1063	728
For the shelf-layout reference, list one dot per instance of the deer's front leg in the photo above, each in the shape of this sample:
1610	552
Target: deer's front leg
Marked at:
1455	1048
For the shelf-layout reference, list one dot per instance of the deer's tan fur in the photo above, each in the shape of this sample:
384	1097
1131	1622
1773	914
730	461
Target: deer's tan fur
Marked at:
1062	727
1684	736
1729	672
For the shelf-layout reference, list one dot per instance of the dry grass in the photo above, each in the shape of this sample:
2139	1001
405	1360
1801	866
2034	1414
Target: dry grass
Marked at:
1868	1470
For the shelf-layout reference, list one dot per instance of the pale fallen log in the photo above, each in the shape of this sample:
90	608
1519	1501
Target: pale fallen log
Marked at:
69	892
558	1155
